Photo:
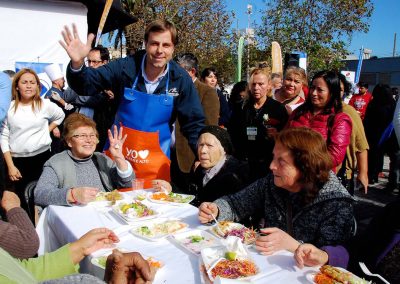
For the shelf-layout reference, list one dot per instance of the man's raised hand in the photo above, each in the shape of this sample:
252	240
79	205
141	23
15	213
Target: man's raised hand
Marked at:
76	49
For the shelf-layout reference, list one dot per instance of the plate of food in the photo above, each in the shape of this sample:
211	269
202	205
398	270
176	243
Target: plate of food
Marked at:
101	261
227	228
331	274
231	261
157	230
170	198
196	240
140	196
106	198
134	211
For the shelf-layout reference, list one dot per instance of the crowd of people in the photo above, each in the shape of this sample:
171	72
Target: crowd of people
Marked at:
280	153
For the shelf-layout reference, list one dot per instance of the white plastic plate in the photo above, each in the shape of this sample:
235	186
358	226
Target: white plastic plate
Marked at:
189	199
186	241
157	235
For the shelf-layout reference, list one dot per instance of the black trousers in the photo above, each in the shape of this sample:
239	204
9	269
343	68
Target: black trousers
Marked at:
30	168
348	183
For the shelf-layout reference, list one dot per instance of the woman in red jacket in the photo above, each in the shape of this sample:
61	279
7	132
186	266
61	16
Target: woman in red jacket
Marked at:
322	112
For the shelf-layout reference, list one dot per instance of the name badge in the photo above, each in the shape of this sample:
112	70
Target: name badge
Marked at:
251	133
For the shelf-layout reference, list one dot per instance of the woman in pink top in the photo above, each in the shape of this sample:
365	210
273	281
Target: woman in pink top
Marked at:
322	112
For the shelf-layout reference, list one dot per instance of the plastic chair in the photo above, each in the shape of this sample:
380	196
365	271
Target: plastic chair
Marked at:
30	199
354	227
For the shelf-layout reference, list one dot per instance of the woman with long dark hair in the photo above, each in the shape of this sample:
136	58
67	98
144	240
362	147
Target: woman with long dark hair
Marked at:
322	111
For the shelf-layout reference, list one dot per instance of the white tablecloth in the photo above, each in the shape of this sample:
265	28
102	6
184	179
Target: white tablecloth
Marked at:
59	225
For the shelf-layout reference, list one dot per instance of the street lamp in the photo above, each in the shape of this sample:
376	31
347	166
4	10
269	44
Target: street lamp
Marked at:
249	12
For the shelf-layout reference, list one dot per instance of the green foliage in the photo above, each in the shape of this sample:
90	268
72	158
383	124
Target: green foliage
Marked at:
203	29
319	27
322	28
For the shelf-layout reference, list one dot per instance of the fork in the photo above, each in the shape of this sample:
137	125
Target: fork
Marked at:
365	269
218	225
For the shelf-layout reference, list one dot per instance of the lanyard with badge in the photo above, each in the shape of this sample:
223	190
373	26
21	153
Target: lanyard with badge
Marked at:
252	131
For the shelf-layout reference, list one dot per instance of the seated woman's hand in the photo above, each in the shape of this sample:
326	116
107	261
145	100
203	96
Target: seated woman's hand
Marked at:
116	142
127	268
92	241
82	195
309	255
161	185
275	240
206	212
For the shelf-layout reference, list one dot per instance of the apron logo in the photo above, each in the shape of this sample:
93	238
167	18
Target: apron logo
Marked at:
138	157
173	92
143	154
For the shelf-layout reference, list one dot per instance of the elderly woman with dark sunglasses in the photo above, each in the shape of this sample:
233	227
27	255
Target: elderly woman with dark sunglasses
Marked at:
76	175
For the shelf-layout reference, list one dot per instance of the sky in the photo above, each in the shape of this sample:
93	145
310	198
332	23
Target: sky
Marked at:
384	22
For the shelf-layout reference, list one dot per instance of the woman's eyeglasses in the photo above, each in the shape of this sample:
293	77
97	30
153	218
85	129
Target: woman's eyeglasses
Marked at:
84	137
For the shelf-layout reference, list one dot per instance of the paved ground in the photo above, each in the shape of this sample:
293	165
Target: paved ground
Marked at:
367	205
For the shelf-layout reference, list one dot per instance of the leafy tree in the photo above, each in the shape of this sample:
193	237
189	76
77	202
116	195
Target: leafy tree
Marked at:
203	29
319	27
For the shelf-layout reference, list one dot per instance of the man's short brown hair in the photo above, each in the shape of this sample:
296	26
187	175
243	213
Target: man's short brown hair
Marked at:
159	26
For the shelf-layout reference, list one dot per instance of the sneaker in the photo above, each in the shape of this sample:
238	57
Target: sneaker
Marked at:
381	175
395	191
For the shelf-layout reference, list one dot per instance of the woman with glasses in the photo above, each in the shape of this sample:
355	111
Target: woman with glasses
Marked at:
25	134
76	175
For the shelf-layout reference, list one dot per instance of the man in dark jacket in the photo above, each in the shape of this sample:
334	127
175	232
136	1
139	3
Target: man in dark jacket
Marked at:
182	158
152	90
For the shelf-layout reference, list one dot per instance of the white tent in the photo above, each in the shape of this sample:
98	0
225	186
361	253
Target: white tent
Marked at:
30	30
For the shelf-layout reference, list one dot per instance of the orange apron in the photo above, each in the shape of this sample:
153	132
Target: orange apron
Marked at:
145	118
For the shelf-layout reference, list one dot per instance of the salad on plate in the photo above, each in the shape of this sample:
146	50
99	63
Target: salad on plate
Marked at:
174	198
231	260
196	240
134	211
225	229
101	261
107	198
158	230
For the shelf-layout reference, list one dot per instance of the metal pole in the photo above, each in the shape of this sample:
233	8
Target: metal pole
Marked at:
394	45
249	11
